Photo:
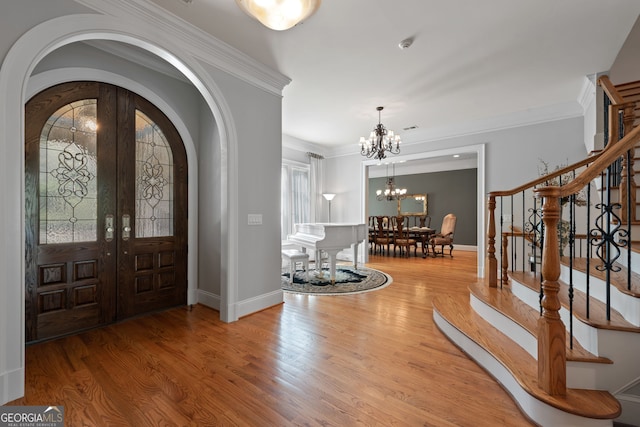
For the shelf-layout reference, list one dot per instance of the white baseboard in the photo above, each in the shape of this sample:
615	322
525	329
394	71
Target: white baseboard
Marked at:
209	299
467	248
260	302
246	307
12	385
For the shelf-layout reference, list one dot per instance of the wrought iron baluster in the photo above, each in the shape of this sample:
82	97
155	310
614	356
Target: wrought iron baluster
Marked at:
533	232
541	227
500	240
572	208
607	103
589	252
630	220
524	238
607	237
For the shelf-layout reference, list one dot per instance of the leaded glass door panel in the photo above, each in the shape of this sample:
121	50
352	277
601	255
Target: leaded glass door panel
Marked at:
105	209
151	158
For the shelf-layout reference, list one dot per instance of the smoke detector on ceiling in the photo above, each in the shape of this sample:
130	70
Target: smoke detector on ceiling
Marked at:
405	43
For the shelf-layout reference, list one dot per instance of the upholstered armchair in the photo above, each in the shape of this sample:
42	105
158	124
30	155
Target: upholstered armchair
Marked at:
445	236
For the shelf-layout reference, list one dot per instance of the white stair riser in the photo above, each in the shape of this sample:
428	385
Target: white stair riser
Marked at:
630	409
627	306
504	324
579	374
584	334
635	257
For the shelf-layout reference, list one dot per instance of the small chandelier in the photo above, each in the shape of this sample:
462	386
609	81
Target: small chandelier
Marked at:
391	192
380	140
279	14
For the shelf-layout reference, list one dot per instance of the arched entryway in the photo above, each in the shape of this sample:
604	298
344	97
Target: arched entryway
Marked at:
15	77
106	209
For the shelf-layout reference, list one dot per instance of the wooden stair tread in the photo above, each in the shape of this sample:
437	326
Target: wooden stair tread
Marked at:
618	279
597	404
503	301
597	309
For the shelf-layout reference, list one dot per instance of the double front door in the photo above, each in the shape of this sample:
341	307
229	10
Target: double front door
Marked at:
106	209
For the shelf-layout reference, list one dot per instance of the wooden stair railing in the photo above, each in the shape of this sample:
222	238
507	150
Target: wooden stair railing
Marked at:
551	330
624	106
551	348
551	335
491	263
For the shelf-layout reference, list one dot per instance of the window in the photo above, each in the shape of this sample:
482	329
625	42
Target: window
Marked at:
295	196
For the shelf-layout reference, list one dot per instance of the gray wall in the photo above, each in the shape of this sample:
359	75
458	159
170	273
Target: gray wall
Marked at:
252	136
447	192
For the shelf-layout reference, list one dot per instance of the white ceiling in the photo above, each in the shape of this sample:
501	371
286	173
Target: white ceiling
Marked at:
470	60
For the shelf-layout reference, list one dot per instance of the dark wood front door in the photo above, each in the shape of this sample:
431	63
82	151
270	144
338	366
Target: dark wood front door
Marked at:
106	209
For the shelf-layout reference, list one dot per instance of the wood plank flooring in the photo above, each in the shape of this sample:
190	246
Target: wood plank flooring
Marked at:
368	359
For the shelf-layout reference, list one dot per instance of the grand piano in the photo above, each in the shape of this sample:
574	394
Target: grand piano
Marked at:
330	238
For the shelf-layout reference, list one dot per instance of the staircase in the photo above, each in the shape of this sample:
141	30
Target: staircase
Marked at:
557	319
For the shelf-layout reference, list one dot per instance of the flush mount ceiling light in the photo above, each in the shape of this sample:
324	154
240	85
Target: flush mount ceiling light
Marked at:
279	14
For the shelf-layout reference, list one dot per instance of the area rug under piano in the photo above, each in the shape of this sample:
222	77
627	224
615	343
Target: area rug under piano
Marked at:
348	281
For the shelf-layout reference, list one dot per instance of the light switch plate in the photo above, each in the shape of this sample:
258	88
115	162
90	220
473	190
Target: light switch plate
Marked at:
255	219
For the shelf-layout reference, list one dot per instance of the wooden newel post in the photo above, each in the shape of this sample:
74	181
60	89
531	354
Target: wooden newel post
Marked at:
491	275
552	358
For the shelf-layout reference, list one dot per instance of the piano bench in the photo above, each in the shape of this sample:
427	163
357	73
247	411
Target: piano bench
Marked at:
294	257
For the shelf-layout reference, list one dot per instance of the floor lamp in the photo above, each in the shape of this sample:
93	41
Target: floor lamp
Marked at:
329	197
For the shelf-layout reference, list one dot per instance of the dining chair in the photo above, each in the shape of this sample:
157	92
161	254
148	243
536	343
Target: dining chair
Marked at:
383	234
402	237
445	236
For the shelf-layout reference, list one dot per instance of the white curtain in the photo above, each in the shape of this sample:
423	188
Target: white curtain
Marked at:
295	196
315	164
285	206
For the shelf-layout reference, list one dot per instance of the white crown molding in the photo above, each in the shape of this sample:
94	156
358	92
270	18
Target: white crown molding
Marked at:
528	117
301	145
198	43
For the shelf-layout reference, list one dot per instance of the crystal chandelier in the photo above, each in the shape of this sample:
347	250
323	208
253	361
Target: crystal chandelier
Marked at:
279	14
380	140
391	192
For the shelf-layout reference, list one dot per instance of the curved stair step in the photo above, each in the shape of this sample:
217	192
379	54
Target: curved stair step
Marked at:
503	301
597	309
516	370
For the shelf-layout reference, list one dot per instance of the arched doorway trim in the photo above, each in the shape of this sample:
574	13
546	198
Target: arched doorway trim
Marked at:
15	73
50	78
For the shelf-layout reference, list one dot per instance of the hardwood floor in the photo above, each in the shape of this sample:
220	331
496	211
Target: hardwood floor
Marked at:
369	359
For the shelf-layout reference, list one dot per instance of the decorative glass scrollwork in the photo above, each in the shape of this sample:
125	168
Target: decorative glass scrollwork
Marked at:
154	180
73	174
68	171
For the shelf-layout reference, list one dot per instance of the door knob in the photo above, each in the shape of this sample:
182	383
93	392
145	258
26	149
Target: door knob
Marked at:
126	227
108	222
